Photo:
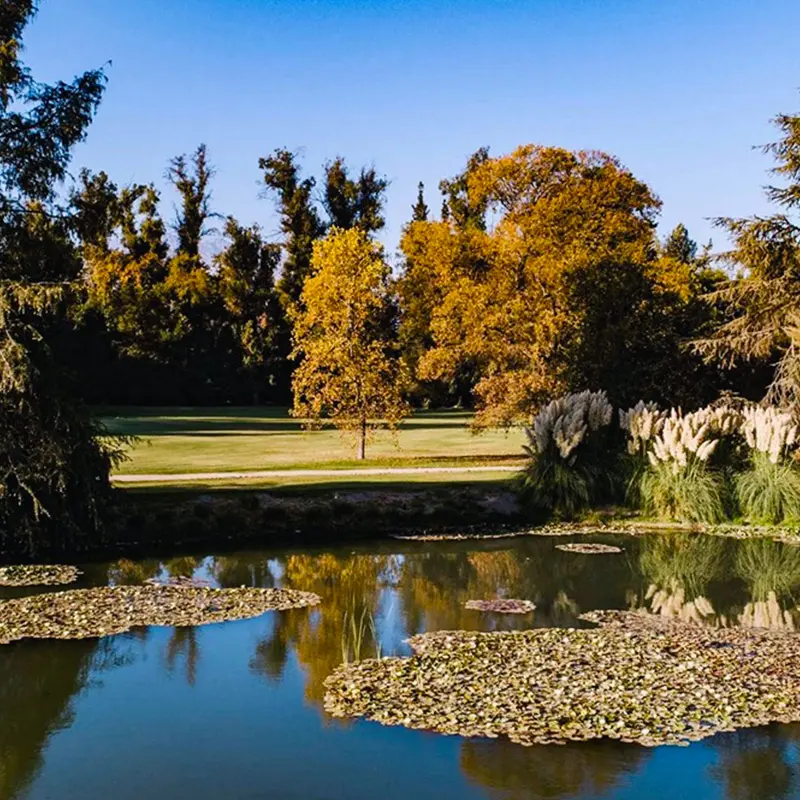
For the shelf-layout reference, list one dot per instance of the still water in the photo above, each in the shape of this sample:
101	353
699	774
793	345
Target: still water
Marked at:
235	710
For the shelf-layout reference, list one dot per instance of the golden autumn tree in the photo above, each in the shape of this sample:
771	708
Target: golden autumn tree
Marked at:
567	235
349	370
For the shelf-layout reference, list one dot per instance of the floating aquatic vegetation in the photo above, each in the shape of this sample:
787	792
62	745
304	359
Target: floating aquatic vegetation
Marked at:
501	606
38	575
554	529
181	581
637	678
785	534
588	548
454	537
107	610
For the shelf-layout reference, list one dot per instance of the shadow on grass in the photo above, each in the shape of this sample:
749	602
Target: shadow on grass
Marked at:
200	421
320	488
145	426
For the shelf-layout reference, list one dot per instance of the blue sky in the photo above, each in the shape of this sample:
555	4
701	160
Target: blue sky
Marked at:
679	90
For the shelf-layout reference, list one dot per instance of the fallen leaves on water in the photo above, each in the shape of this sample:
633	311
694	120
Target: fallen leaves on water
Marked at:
637	678
107	610
38	575
501	606
182	581
588	548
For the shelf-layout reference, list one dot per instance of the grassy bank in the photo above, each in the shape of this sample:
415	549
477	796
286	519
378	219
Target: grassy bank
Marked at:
185	440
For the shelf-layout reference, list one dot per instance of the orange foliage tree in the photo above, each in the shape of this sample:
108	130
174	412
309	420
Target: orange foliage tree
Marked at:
554	284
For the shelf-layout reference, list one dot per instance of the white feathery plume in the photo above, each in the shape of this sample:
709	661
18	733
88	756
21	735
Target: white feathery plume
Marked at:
566	421
683	436
769	430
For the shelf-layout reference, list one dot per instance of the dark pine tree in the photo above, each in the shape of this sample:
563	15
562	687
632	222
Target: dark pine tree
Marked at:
420	211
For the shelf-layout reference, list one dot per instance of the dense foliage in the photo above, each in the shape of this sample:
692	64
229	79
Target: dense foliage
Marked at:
543	275
54	468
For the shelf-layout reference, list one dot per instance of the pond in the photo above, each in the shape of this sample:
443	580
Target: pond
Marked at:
235	710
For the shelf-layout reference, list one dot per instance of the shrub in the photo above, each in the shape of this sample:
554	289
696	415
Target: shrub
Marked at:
769	491
566	469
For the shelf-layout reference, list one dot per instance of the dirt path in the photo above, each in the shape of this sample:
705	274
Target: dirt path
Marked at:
304	473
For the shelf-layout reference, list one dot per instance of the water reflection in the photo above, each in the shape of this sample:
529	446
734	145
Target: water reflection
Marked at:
511	772
772	573
38	682
401	589
759	764
351	586
183	646
679	571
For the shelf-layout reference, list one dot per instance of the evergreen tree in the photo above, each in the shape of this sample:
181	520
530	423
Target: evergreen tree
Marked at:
680	246
419	211
96	210
762	307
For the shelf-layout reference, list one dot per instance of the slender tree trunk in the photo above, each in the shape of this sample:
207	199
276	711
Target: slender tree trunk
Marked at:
362	440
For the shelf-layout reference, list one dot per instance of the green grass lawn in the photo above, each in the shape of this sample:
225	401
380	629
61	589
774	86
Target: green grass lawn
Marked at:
177	440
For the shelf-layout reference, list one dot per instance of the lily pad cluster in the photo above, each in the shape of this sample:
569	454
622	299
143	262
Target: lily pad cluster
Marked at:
588	548
637	678
501	606
456	537
38	575
183	581
107	610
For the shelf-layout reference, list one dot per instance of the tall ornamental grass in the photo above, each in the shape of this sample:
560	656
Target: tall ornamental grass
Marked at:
769	491
567	449
679	484
642	423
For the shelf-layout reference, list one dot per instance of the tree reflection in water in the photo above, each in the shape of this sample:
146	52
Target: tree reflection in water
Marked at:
183	644
349	585
759	764
422	588
38	682
253	570
509	771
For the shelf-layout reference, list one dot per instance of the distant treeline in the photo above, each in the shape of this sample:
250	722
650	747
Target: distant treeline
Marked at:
542	274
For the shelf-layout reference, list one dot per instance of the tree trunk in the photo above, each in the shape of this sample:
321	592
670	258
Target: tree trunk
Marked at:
362	440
